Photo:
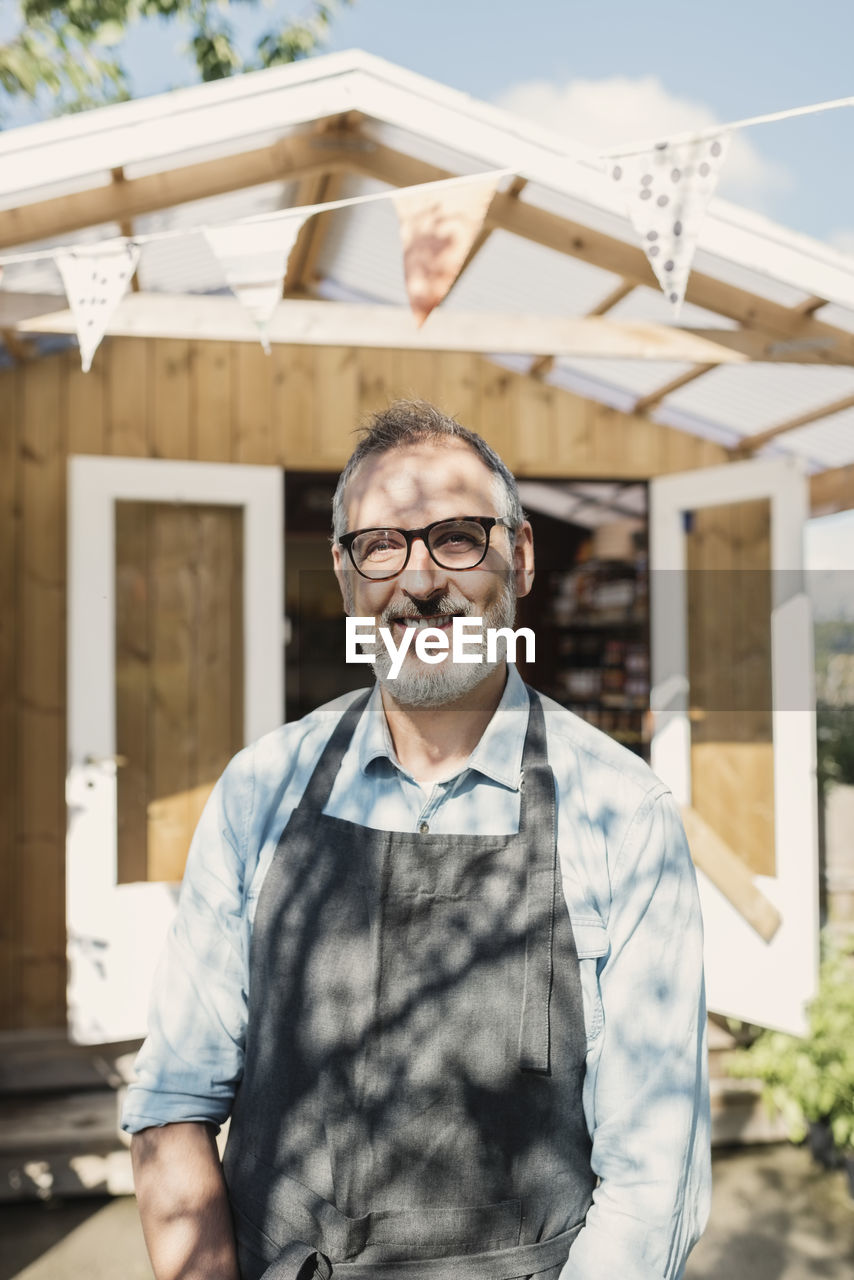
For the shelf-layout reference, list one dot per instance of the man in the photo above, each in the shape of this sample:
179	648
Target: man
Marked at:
438	953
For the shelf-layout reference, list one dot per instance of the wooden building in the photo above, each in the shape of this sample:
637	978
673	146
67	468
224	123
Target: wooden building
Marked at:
143	536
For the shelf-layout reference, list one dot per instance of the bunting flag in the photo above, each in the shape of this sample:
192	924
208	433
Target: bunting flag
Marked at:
437	229
95	281
254	260
667	191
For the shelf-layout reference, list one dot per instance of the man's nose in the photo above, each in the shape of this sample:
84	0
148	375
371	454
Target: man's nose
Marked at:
422	576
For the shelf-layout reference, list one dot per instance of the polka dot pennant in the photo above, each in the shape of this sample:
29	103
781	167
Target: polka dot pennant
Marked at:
667	192
437	230
254	260
95	281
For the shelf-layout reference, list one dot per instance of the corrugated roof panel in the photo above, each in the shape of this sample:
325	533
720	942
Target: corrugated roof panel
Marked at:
361	252
41	275
513	275
752	397
185	264
635	378
829	442
650	304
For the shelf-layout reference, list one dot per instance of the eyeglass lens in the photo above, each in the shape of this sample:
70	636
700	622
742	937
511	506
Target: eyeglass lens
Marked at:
455	544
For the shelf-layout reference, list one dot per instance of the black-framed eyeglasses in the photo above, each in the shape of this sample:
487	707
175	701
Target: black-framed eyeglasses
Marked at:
453	544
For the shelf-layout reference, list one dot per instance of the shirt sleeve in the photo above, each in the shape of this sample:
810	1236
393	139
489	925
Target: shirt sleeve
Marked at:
650	1132
190	1064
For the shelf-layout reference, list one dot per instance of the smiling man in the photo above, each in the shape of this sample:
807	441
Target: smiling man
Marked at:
438	954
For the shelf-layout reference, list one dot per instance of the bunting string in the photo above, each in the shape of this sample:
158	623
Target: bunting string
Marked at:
713	131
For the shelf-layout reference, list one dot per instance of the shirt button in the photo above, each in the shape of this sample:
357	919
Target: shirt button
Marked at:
424	828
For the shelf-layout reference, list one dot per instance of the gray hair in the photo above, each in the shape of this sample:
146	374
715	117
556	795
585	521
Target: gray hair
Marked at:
407	422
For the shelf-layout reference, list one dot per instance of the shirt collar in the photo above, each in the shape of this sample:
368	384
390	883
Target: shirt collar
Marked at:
498	755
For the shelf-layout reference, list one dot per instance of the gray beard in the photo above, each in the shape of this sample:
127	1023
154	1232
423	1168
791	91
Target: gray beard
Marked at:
421	685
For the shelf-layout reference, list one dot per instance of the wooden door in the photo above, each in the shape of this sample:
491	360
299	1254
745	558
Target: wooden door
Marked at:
179	675
175	661
734	724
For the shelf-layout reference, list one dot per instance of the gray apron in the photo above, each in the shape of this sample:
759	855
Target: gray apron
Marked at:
411	1104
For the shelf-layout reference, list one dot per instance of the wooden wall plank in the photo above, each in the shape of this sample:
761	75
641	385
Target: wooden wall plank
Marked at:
336	400
218	670
534	418
173	594
574	436
457	385
171	388
212	401
293	406
133	675
494	419
40	901
11	389
253	404
84	396
127	364
729	672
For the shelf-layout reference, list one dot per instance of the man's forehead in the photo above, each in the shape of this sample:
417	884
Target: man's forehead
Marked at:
410	476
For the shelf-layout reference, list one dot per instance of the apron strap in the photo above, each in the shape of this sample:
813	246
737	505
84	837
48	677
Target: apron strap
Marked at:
537	825
319	787
299	1261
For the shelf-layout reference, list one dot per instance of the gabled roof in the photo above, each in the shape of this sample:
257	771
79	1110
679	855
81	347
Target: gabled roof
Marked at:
559	244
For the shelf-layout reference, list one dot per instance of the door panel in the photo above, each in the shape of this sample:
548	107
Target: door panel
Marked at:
179	675
734	724
174	568
728	563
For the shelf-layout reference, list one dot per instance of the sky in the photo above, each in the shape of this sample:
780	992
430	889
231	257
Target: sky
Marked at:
611	71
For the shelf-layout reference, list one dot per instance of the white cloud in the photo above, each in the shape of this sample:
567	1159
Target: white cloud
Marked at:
843	240
606	113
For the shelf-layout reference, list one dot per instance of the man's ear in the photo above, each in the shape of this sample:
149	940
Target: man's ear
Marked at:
342	577
523	559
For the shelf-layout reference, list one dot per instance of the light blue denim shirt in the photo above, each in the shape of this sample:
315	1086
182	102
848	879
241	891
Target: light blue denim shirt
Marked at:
631	894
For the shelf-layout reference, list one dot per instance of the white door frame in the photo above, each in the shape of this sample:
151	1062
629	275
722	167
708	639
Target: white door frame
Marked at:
763	982
115	931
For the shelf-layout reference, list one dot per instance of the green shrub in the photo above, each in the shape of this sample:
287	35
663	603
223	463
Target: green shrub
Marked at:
810	1079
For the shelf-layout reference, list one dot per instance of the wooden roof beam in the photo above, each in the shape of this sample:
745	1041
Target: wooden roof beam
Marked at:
291	158
19	348
810	305
315	188
622	290
751	444
371	325
543	365
125	224
648	402
832	491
